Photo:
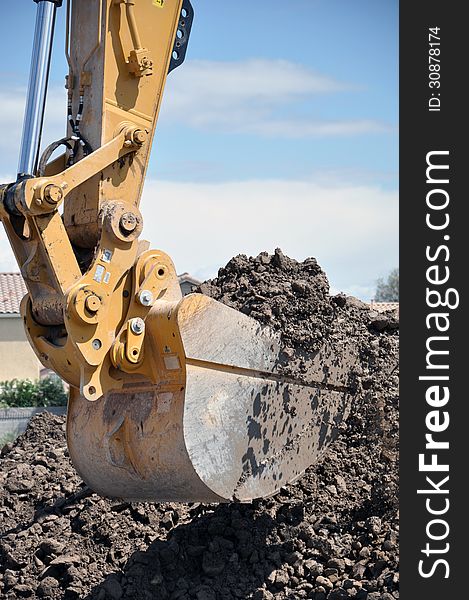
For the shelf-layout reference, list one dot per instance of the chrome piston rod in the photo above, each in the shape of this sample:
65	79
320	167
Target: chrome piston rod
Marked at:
37	87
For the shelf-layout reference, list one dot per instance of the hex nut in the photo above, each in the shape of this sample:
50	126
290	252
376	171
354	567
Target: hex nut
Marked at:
53	194
137	326
145	298
139	136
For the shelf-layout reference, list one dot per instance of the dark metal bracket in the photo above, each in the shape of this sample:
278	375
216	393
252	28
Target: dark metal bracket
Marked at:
182	36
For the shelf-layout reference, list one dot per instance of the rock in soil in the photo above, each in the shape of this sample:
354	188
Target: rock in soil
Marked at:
331	535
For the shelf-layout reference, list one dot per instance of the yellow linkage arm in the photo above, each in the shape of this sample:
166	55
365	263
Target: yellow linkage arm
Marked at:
86	282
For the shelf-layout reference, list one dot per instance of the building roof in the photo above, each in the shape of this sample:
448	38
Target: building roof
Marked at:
187	277
384	306
12	290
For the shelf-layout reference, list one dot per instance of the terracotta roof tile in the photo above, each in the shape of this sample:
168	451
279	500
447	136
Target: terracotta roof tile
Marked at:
12	290
384	306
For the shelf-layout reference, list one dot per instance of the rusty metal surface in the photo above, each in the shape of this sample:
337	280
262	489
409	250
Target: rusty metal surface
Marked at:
131	445
227	426
249	429
215	333
247	436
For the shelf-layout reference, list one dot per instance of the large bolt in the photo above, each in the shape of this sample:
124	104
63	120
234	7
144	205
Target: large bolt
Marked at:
139	136
128	222
53	194
137	326
145	298
93	303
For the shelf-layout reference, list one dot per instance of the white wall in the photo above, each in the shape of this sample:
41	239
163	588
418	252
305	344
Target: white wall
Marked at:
17	359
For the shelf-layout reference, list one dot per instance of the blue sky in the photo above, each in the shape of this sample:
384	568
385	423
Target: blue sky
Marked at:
281	129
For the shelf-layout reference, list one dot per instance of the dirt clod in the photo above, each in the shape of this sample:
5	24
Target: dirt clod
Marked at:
332	535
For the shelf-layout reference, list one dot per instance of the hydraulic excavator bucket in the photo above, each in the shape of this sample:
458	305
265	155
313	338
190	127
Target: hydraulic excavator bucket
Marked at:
171	398
222	425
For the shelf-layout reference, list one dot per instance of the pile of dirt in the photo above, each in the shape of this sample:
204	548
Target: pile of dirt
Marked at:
293	298
333	534
289	296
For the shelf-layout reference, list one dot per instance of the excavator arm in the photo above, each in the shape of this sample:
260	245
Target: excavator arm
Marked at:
79	267
171	398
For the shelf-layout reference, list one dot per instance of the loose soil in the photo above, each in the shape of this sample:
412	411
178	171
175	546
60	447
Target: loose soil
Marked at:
331	535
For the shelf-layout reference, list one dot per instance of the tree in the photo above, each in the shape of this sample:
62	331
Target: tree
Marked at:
388	290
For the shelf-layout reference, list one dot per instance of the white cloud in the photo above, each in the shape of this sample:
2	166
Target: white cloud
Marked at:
254	96
249	96
302	129
351	230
